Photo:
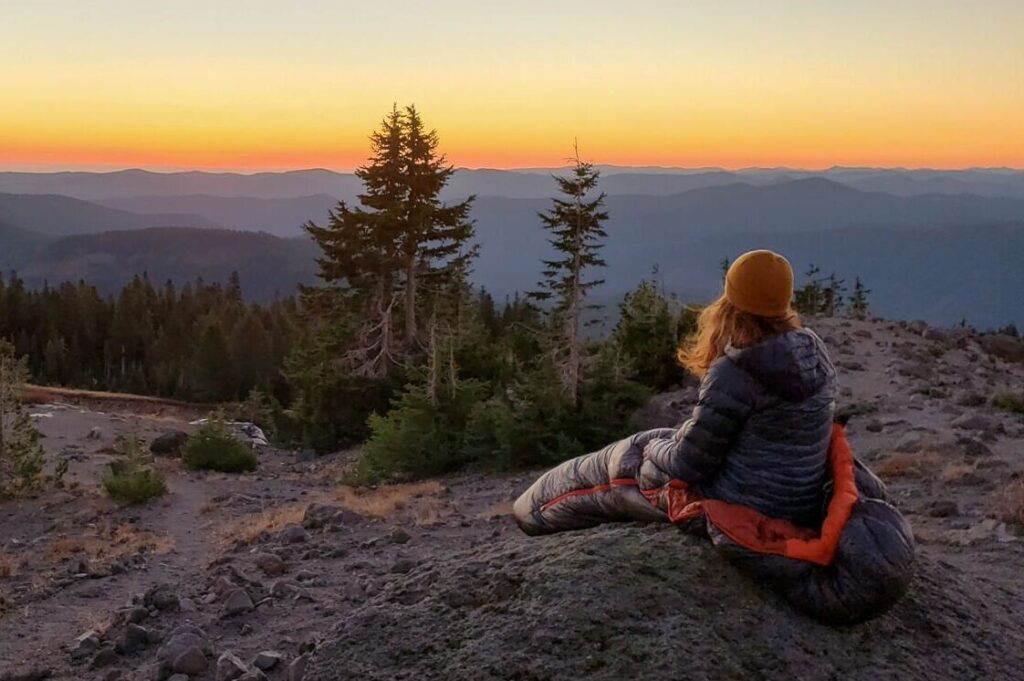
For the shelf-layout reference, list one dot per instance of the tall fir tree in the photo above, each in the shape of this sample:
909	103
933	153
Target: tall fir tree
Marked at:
434	237
361	257
576	227
857	306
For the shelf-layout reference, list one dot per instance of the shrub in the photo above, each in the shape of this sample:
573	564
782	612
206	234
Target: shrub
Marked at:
214	447
132	479
21	456
420	436
1009	402
134	486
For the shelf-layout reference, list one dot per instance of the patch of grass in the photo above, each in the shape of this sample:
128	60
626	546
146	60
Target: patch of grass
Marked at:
908	464
249	528
386	500
1011	503
1009	402
8	566
108	543
955	472
214	447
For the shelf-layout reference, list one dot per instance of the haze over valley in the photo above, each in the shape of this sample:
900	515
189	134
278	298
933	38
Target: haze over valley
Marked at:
960	232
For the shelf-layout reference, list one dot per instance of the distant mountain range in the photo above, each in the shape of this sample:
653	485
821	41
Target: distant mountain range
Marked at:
939	245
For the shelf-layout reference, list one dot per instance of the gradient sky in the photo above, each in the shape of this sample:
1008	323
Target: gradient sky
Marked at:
273	85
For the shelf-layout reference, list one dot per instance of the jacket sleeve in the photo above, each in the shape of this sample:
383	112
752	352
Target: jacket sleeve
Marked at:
697	450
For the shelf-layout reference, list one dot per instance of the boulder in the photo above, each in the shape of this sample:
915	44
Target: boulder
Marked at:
237	602
192	661
325	515
169	444
270	564
293	533
267	660
649	602
229	667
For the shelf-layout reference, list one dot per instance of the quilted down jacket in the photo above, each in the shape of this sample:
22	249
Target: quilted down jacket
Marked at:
853	566
759	435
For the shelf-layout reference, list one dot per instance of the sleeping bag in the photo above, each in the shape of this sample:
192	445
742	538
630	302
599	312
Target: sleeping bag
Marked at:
854	565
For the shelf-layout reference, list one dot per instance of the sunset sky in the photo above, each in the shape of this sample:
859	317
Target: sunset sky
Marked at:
274	85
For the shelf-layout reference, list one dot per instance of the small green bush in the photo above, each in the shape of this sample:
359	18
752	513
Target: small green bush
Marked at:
1009	402
132	479
134	485
213	447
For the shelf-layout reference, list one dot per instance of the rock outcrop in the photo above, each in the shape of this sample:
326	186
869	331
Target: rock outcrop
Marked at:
648	602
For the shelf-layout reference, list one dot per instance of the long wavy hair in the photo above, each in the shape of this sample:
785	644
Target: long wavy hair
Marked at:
721	324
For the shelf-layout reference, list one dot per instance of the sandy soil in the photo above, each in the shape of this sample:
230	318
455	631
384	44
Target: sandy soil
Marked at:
73	562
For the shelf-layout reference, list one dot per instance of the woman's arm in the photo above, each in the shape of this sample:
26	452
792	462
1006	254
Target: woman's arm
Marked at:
697	450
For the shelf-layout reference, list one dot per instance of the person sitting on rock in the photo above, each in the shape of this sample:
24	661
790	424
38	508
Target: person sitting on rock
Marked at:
760	433
759	468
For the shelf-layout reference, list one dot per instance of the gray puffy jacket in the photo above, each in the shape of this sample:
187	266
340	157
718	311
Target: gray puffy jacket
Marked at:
759	435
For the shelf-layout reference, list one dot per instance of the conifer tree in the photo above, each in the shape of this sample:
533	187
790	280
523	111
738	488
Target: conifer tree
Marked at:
361	256
858	303
21	456
434	237
575	224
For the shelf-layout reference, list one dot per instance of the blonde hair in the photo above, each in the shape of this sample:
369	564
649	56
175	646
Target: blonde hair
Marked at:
720	324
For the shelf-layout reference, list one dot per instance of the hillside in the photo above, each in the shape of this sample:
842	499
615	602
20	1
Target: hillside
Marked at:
525	183
433	580
55	216
879	237
268	266
281	217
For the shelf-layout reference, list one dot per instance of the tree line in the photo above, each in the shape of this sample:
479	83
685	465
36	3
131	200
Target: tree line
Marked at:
201	342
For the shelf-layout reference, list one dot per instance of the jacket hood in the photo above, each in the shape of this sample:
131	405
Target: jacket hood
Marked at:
793	365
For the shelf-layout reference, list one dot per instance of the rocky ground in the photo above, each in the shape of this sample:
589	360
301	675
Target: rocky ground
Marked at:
264	574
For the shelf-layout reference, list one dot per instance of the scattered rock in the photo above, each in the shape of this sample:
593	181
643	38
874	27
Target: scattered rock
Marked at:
135	638
161	597
1003	346
95	433
873	426
180	640
169	444
267	660
297	669
403	565
192	662
322	515
305	456
400	536
85	645
229	667
699	615
293	533
971	399
104	656
137	614
270	564
237	602
975	422
943	508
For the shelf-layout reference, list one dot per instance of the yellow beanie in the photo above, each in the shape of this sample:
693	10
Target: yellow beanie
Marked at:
761	283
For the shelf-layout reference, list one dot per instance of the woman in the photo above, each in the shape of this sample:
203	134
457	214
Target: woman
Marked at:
759	467
759	435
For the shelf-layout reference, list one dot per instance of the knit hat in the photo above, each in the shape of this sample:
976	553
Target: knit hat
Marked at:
760	283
